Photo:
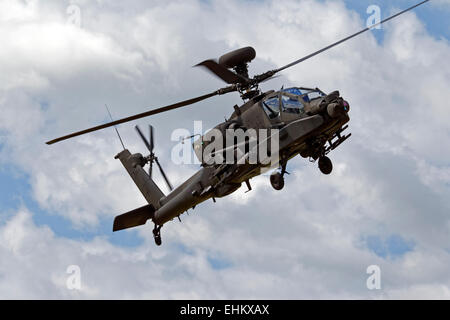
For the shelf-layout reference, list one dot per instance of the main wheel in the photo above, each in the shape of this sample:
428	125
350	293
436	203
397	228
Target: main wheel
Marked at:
277	181
325	165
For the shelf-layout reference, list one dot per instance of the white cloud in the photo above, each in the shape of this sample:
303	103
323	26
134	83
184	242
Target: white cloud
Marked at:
391	177
34	263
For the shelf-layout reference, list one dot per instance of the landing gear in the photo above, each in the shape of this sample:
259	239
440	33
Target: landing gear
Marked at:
157	234
277	178
325	165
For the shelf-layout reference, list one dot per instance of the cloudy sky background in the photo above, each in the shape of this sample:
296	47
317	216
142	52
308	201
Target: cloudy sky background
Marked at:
386	203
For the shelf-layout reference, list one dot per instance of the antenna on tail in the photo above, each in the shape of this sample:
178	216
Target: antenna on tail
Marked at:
115	127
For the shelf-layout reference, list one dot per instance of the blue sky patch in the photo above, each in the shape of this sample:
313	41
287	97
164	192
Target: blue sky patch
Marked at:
394	246
219	263
435	18
15	193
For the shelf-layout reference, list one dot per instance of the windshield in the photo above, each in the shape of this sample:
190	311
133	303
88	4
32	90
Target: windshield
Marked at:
272	107
307	94
292	103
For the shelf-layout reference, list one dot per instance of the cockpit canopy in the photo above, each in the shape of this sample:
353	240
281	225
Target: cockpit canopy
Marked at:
291	101
305	93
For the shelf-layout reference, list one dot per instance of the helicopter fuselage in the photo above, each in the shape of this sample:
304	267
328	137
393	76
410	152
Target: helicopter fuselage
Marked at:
305	133
300	120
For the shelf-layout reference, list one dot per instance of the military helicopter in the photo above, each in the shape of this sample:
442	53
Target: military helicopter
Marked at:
308	122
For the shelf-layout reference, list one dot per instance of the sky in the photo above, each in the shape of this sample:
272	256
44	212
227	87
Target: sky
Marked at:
385	204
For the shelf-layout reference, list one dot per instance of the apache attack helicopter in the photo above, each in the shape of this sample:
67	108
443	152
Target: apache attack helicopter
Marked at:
309	123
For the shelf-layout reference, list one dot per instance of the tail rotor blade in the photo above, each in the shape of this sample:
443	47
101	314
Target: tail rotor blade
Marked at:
152	143
150	169
143	138
164	175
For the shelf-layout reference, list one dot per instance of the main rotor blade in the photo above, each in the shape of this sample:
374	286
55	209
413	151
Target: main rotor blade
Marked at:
222	72
147	144
164	175
147	113
345	39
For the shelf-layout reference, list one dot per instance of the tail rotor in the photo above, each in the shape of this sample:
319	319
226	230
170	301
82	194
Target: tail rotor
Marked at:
149	143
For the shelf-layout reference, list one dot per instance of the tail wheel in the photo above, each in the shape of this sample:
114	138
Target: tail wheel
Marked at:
157	235
277	181
158	240
325	165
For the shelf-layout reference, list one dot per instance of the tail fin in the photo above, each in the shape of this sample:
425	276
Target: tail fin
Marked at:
148	188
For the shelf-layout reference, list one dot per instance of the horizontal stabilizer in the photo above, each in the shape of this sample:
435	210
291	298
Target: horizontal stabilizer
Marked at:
133	218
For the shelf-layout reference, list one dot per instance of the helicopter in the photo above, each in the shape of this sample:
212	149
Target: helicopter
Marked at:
303	121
